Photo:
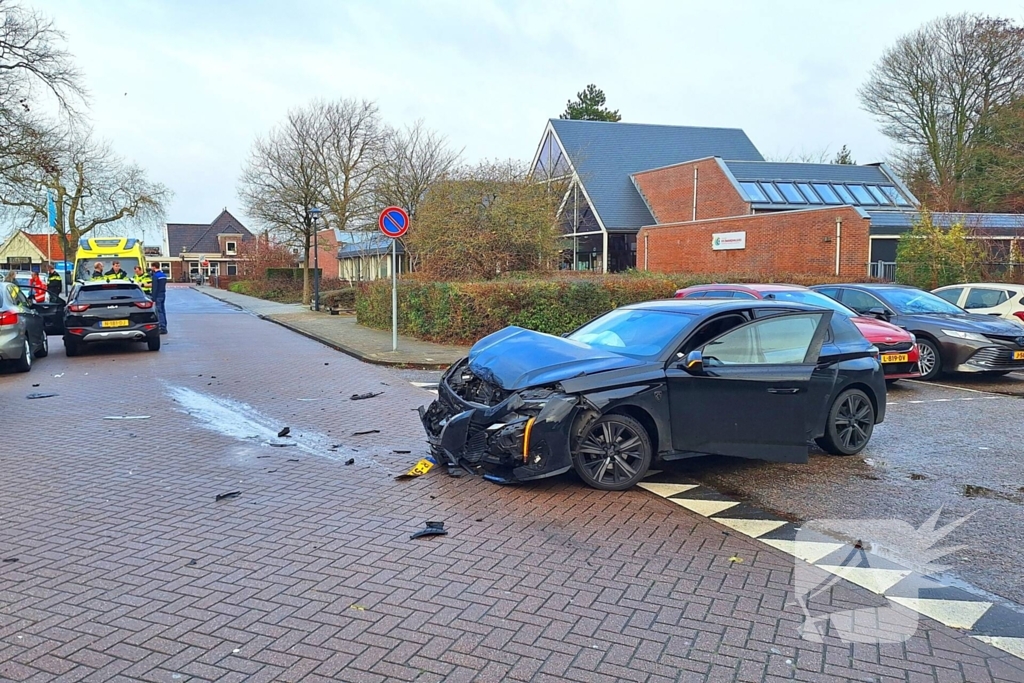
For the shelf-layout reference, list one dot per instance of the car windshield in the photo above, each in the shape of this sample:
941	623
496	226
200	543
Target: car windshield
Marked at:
911	301
633	332
87	267
810	298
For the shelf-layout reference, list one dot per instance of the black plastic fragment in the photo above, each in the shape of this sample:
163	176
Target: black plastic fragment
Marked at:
361	397
229	495
350	461
9	560
33	396
368	431
432	529
402	452
284	432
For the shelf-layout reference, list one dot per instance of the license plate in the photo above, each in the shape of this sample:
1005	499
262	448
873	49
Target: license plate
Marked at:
114	323
895	357
1018	355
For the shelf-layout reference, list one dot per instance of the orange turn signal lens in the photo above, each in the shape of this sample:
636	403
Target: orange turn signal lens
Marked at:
526	438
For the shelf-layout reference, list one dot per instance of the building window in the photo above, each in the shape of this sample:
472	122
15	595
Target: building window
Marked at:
844	194
232	248
827	193
792	195
862	194
165	266
878	194
774	194
232	269
809	193
754	192
894	194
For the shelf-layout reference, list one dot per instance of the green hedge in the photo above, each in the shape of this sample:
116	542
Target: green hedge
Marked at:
290	273
463	312
344	298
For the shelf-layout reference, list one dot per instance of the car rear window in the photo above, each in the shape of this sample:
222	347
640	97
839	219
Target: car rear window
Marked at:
111	292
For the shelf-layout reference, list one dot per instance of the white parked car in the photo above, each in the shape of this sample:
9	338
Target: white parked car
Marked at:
987	298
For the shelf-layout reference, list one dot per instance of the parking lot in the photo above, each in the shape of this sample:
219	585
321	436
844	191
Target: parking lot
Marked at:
128	567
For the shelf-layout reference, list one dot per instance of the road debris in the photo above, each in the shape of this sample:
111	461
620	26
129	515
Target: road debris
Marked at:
35	385
358	608
418	470
368	431
278	445
34	396
432	529
363	397
191	563
293	460
229	495
284	432
350	461
735	559
402	452
9	560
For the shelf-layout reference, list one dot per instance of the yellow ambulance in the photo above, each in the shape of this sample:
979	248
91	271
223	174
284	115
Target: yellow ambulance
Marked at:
105	250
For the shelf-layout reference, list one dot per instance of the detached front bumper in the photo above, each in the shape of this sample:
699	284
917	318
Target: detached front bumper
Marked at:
524	437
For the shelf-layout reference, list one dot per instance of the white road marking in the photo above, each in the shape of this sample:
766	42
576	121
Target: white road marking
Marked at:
947	386
945	400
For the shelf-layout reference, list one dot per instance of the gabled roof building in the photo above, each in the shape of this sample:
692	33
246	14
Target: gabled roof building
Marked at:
682	198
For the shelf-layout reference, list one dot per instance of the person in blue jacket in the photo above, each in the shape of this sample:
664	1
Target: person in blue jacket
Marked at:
159	295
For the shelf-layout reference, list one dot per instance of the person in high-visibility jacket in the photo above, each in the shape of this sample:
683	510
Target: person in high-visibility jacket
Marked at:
115	273
97	272
54	283
144	280
37	288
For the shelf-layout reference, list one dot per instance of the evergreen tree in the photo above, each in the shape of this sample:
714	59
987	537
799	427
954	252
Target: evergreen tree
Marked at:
844	156
589	106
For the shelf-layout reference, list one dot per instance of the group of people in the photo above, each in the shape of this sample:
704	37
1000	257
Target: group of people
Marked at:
153	284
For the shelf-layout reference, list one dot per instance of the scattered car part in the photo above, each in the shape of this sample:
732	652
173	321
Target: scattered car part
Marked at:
432	529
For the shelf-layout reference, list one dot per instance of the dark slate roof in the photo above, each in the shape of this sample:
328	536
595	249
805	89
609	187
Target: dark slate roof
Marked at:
605	155
823	173
198	238
365	244
997	224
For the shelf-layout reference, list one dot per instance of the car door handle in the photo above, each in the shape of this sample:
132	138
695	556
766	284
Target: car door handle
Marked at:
786	390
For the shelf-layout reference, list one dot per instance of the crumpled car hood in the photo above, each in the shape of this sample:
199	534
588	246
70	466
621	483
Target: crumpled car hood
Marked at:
515	358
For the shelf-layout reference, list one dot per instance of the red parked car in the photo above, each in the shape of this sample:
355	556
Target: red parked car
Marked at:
897	347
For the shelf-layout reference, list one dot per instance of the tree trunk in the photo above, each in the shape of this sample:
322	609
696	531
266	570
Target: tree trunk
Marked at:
306	293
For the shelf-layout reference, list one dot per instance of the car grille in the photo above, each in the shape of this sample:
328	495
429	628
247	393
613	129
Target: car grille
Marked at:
994	358
898	347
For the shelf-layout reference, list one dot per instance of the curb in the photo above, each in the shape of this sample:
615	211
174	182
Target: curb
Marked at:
347	350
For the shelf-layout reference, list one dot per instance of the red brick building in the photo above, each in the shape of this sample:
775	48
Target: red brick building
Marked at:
209	250
686	199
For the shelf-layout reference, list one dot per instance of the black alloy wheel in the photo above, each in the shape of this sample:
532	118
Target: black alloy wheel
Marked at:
613	454
930	362
851	420
24	364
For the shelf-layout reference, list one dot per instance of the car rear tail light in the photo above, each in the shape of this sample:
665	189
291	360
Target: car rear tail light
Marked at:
149	327
78	308
1019	314
76	330
8	318
144	304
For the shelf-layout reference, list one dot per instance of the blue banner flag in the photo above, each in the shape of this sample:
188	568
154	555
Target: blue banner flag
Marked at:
51	209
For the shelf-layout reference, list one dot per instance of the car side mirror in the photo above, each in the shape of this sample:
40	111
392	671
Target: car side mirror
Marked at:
879	312
694	363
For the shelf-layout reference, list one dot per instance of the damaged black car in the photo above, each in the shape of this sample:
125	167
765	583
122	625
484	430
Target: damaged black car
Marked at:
661	380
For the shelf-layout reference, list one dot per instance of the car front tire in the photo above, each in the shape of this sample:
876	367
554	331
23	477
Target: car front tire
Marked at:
613	454
24	364
851	421
930	362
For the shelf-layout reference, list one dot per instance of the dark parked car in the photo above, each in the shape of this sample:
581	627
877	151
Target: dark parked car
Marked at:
109	311
897	348
662	379
949	338
22	337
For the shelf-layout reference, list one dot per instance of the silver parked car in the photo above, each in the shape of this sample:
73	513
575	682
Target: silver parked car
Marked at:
22	337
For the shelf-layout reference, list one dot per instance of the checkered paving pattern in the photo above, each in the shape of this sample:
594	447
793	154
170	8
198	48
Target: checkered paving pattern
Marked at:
128	569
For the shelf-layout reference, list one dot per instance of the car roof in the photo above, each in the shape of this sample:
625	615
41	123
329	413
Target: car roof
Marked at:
866	285
705	306
995	285
752	287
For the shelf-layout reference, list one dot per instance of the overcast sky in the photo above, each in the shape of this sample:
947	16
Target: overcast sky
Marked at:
183	86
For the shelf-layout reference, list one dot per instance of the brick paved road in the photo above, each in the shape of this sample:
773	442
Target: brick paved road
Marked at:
129	570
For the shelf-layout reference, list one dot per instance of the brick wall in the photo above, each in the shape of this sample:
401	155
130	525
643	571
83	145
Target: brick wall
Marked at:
784	242
669	192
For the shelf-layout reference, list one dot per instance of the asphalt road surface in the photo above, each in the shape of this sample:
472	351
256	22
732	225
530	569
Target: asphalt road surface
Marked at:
118	562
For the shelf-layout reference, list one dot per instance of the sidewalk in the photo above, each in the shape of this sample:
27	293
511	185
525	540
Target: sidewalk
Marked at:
341	332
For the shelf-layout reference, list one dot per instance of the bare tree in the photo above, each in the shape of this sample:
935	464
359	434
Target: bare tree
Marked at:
414	159
34	68
349	149
92	189
934	87
282	181
820	156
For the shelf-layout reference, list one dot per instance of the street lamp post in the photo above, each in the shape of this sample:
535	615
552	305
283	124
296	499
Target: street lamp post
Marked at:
314	216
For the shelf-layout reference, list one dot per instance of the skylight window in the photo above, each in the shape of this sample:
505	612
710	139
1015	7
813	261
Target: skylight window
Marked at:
894	194
773	194
754	192
792	194
809	193
827	193
862	194
878	194
844	194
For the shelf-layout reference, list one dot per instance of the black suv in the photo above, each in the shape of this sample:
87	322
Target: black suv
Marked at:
109	311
